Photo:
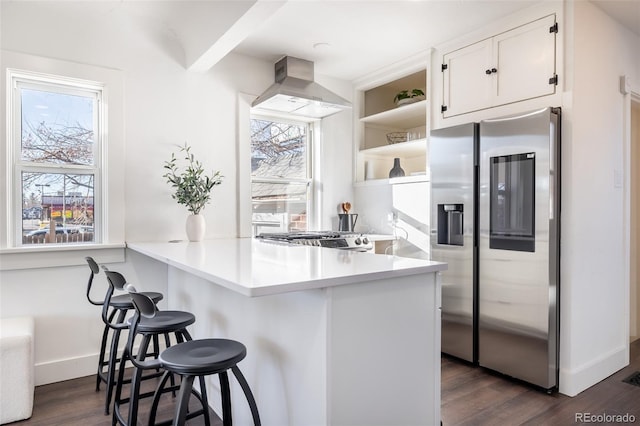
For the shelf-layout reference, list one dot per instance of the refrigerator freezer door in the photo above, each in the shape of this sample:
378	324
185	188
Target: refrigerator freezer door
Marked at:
452	154
518	247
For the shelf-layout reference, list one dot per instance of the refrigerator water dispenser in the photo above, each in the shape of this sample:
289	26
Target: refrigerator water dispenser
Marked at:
450	224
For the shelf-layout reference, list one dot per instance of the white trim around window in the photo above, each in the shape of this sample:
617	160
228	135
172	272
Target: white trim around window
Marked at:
14	256
245	113
92	165
286	181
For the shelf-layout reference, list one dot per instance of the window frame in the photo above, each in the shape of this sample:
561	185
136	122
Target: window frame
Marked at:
310	158
20	79
113	247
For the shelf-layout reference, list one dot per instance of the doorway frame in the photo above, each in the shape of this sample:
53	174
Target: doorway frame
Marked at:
630	95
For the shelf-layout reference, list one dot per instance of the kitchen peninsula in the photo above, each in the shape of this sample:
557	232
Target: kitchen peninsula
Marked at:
334	337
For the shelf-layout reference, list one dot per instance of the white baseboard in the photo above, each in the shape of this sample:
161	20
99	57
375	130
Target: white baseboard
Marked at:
65	369
577	380
73	368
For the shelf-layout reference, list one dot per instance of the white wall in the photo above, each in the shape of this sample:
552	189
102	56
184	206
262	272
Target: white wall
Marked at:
67	328
594	289
164	105
634	293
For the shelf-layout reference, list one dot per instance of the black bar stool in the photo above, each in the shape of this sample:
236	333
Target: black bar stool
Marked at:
119	305
164	323
191	359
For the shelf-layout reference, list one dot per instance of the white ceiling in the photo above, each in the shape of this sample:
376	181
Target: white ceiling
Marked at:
356	37
627	12
364	36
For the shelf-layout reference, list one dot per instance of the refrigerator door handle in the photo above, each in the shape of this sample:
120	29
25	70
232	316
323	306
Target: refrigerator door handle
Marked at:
552	206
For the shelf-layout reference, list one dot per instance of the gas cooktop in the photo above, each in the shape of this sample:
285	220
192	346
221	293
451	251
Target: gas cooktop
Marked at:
330	239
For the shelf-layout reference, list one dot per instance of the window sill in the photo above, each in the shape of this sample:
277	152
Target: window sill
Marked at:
44	256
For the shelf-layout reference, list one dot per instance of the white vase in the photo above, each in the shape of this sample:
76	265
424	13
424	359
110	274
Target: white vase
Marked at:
195	227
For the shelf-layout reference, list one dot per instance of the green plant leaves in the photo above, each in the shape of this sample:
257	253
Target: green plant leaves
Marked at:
406	94
192	187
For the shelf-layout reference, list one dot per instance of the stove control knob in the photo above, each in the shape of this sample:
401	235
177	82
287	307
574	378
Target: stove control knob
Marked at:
365	240
316	243
358	241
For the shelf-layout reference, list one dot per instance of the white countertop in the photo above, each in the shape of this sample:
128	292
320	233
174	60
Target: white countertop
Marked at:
258	268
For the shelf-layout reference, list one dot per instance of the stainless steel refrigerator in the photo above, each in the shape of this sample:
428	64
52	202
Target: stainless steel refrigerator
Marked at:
495	206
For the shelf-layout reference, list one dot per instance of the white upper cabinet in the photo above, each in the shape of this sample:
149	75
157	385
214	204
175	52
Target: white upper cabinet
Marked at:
510	67
525	59
466	86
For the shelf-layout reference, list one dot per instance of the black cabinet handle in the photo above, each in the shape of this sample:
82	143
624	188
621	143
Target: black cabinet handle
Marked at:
488	72
493	70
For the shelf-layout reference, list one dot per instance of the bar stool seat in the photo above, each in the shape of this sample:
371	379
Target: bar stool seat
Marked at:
165	322
123	301
203	356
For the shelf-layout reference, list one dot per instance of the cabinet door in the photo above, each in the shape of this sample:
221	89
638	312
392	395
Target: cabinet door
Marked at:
467	87
525	61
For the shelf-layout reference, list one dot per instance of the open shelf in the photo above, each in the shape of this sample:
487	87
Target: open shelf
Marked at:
405	117
402	149
393	181
380	117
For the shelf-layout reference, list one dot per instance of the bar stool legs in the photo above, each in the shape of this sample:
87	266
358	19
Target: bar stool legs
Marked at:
201	358
191	359
247	393
140	366
183	401
186	389
111	365
103	345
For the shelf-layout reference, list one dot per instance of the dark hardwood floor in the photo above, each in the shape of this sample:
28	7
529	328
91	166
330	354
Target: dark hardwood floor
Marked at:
76	403
470	396
475	396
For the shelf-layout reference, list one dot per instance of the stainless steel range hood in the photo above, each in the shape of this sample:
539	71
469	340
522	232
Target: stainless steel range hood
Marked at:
295	92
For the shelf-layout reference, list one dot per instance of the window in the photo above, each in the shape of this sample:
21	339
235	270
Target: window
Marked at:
56	144
281	175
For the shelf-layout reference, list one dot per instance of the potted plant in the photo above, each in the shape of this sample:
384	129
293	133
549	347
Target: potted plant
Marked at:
192	188
405	97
